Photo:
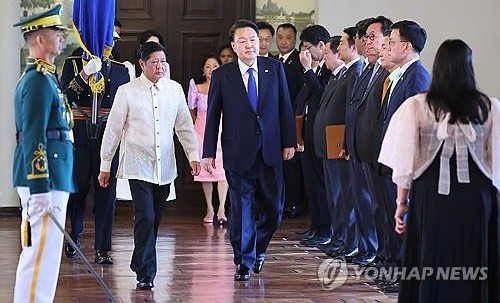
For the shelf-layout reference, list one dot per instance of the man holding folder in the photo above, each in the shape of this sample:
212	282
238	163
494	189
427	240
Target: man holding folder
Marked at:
328	129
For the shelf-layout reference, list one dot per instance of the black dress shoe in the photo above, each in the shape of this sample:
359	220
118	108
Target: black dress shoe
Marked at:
334	251
242	273
102	257
364	259
308	234
259	263
314	242
145	285
347	253
350	254
69	251
332	246
301	233
390	288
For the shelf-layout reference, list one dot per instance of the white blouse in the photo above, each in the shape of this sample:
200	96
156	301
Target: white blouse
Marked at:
143	117
414	138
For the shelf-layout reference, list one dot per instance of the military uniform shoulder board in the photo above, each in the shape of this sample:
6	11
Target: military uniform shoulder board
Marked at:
44	67
73	57
116	62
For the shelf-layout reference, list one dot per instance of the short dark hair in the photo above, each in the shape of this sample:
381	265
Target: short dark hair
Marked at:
453	86
118	23
314	34
265	25
150	47
334	43
287	26
351	34
387	33
412	32
242	23
385	22
362	25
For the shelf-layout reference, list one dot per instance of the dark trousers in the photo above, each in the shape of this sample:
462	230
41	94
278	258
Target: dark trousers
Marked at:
363	209
294	183
87	163
382	225
340	201
395	249
149	204
256	209
315	188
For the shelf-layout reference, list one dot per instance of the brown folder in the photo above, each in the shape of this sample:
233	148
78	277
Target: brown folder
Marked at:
334	141
299	126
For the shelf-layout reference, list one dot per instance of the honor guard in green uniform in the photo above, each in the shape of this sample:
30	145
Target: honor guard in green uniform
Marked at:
43	159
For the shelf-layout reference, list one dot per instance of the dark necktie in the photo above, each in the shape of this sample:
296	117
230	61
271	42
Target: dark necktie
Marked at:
282	59
341	72
318	70
252	90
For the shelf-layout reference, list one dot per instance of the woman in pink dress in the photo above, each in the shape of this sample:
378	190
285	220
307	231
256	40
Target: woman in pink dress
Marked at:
197	102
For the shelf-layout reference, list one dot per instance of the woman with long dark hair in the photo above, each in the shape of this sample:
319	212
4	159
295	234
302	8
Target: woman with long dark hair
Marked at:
444	149
197	102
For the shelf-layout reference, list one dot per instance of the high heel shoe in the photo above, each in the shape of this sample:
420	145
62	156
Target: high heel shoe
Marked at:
209	218
221	219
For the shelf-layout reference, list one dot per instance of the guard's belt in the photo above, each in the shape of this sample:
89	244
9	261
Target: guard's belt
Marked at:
52	134
82	113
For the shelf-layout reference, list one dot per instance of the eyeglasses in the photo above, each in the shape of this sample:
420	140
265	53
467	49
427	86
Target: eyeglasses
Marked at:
371	37
308	47
392	43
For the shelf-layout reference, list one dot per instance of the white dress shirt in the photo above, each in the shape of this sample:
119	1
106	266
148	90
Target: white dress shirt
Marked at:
285	56
414	137
143	117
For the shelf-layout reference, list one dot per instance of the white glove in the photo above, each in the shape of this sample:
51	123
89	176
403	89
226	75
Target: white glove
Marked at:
92	67
40	203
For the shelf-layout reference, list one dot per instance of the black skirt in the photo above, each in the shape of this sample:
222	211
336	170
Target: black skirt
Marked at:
452	233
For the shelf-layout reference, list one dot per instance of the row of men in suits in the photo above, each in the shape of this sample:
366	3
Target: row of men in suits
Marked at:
363	76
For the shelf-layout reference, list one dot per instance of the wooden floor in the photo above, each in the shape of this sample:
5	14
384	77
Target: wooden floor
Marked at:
195	265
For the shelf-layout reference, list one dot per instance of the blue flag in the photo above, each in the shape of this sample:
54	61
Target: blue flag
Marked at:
93	22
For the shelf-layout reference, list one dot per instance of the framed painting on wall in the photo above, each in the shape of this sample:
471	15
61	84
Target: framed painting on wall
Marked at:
300	13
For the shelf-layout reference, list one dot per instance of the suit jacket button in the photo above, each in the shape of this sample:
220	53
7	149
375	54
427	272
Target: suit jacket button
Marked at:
56	155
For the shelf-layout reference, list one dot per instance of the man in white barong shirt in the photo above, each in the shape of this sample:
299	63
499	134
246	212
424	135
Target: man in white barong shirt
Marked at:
144	116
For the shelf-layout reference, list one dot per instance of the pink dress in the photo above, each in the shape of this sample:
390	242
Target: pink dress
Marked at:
198	101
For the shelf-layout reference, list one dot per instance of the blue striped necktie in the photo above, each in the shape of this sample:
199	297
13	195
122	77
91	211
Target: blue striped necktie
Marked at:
252	90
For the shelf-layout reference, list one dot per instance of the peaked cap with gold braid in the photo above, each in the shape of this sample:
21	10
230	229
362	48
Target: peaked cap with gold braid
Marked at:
47	19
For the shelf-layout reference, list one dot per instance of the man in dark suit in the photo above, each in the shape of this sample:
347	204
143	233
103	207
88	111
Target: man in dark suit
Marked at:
359	191
369	233
258	133
338	171
313	39
292	170
407	40
266	34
